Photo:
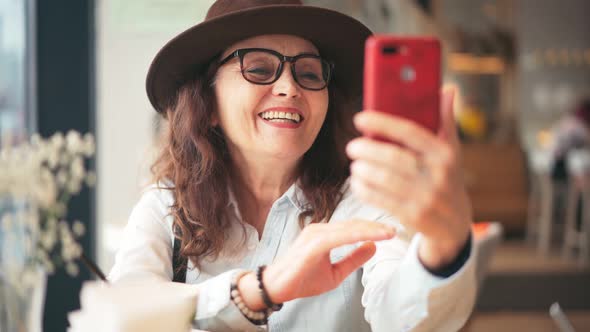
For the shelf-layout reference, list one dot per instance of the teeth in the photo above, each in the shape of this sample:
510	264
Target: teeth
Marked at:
275	116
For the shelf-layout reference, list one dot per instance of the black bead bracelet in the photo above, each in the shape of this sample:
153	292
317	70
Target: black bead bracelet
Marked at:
265	298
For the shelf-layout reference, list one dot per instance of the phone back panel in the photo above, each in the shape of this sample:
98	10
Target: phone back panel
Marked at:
402	77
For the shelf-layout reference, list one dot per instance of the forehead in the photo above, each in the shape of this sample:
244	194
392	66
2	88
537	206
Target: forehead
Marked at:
285	44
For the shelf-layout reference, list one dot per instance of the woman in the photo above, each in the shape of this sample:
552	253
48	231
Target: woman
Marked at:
256	188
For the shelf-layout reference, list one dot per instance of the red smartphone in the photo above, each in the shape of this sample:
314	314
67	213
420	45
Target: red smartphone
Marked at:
402	77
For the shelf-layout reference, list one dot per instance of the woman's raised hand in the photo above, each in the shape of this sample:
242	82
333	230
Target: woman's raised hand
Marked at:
421	183
306	270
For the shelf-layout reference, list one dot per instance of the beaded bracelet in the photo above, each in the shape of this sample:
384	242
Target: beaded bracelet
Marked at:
255	317
267	301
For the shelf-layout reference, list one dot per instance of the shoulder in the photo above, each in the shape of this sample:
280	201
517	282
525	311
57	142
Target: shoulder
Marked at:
154	206
158	194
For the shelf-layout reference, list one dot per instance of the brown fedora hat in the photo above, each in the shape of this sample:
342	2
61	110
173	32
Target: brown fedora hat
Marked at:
339	38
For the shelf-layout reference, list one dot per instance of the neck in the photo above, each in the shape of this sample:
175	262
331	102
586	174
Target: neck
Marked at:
258	182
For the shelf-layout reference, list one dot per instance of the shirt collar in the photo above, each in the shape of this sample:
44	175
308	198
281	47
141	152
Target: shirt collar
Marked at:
294	196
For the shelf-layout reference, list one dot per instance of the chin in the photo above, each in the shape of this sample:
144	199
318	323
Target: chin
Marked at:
288	153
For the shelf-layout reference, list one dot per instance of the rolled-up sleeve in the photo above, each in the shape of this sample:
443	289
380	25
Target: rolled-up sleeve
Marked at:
146	253
401	295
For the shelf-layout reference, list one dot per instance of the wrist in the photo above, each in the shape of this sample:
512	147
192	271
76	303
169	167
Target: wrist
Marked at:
248	287
271	284
435	255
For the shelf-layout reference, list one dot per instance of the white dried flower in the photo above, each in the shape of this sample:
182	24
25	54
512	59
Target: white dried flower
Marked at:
70	251
51	224
48	240
91	179
74	186
49	267
57	141
53	157
72	269
47	190
64	228
35	140
66	237
89	146
65	160
42	254
59	208
78	228
61	178
74	142
38	177
77	168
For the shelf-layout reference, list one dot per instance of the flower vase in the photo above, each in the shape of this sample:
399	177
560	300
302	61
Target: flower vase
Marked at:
22	305
22	281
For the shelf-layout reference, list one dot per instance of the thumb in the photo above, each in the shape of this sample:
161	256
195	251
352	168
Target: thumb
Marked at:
354	260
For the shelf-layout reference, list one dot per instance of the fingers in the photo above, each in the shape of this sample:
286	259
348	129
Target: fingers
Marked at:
396	129
353	261
421	209
448	130
389	202
381	153
325	237
401	180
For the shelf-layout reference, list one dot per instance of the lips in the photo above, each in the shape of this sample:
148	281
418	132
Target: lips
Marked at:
282	115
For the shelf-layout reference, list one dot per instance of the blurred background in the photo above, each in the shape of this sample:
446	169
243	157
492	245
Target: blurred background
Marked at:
521	70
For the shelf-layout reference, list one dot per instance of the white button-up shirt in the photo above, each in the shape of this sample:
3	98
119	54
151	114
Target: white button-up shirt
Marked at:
391	292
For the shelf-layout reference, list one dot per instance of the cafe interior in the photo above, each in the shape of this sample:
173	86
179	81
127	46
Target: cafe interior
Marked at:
521	72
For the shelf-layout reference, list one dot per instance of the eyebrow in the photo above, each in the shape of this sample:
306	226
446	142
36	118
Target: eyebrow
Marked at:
272	49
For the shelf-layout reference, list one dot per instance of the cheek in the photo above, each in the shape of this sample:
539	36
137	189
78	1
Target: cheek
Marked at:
320	105
236	102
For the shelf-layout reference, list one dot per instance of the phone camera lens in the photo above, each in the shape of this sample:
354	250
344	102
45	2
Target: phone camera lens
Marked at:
390	50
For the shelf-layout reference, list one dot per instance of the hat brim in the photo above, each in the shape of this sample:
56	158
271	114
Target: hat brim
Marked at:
338	37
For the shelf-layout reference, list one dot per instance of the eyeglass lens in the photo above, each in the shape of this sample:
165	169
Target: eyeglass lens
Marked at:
262	67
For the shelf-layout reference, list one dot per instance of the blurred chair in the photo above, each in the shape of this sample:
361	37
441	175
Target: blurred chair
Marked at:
487	236
578	236
541	200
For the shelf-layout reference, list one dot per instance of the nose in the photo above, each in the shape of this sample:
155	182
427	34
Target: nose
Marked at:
286	86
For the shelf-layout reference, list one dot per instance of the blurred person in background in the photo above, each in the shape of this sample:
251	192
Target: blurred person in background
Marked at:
268	201
570	132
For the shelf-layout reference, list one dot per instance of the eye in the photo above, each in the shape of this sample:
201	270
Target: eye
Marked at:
258	71
309	76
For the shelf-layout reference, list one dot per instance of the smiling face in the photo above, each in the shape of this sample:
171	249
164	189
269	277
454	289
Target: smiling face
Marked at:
278	120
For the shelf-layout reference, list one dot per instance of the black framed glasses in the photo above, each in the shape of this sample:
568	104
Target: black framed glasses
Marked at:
263	66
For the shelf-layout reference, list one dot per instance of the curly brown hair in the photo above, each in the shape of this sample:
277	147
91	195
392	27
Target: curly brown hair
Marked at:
195	162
